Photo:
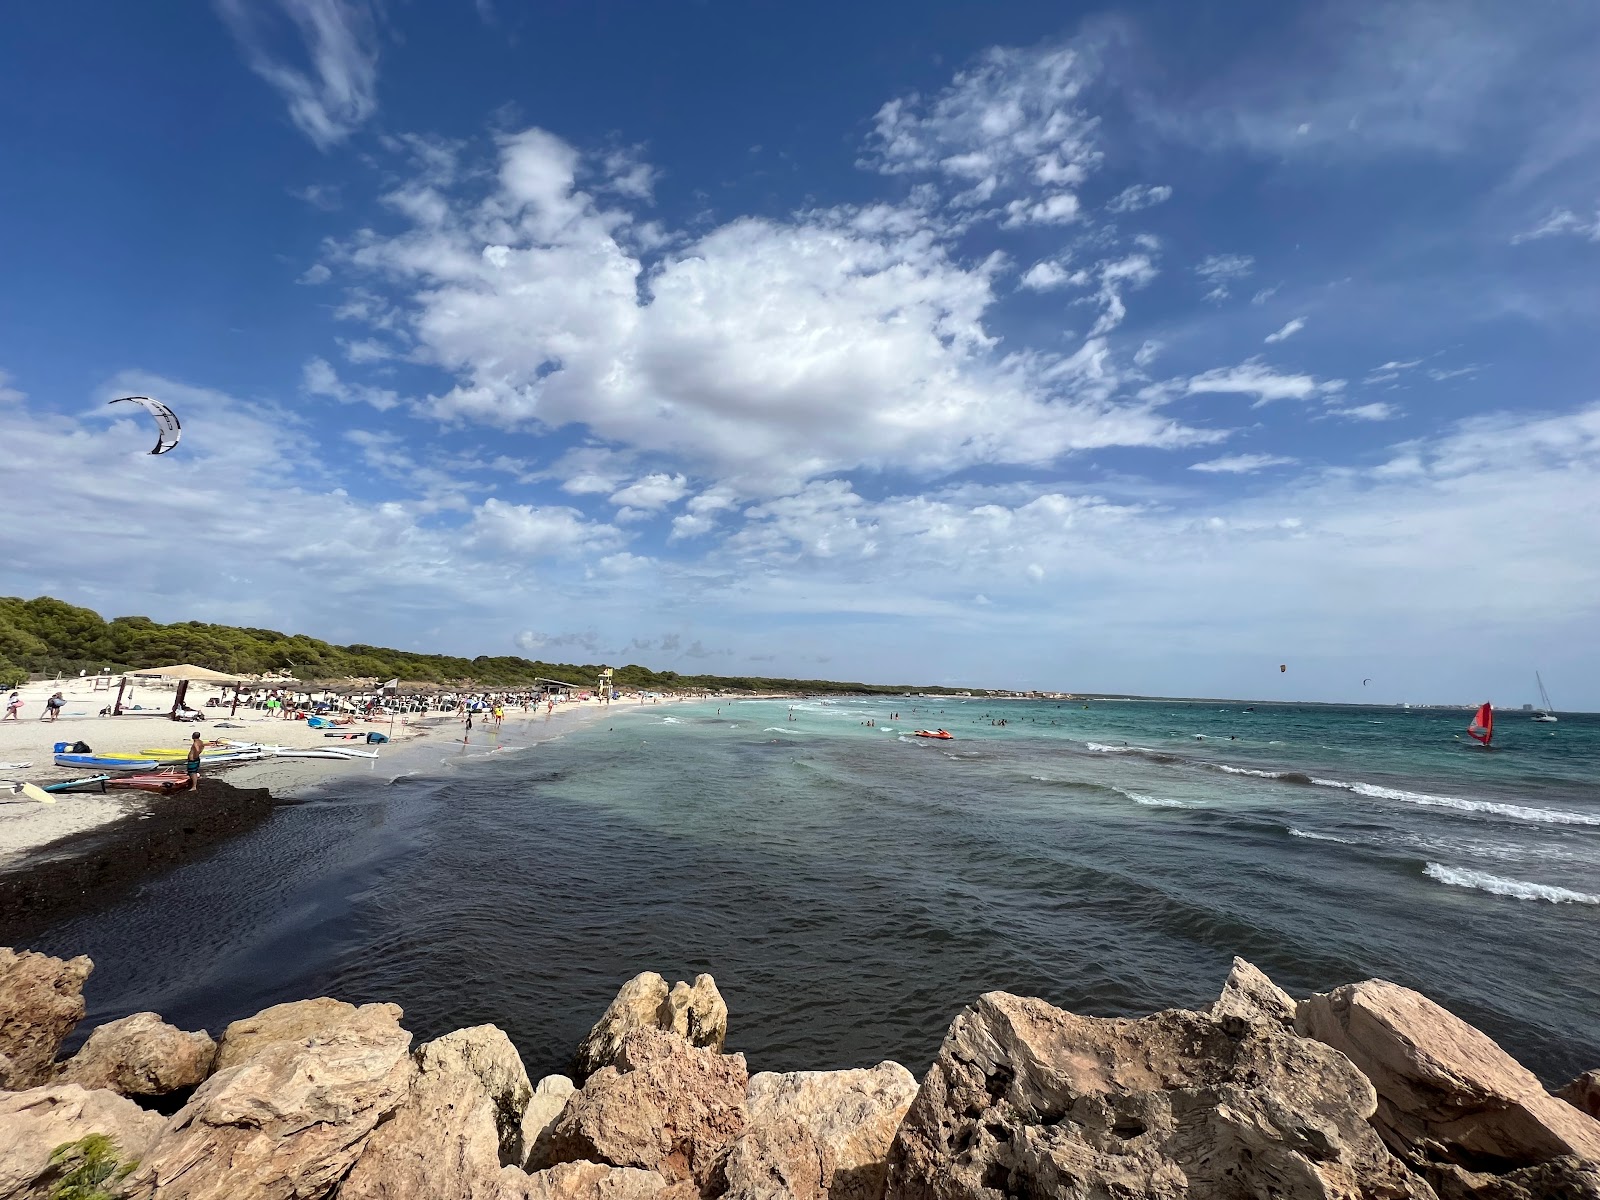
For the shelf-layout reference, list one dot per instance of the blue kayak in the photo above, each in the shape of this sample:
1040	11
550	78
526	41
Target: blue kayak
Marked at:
94	762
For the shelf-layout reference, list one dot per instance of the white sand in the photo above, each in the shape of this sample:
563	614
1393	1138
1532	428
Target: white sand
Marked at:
26	825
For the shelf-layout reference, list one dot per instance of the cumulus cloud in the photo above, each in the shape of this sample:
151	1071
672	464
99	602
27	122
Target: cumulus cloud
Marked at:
1242	464
1376	411
335	91
763	351
1288	331
318	378
1049	276
652	492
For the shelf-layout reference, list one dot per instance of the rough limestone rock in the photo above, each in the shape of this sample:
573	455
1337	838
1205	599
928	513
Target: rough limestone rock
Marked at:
666	1106
1249	995
539	1119
141	1055
1583	1093
586	1181
819	1133
33	1123
298	1021
1448	1096
1027	1100
287	1122
1564	1178
41	1000
461	1121
696	1013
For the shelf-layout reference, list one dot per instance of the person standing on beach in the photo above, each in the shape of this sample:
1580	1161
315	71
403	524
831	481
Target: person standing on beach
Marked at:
192	763
53	707
13	707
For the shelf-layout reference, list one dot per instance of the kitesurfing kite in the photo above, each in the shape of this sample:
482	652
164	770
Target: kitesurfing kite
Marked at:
166	421
1282	667
1364	682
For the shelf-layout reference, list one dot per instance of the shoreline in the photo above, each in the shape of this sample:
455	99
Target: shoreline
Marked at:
91	855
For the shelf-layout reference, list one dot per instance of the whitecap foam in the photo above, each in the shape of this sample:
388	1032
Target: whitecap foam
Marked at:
1517	812
1319	837
1105	749
1516	888
671	721
1159	802
1259	774
780	729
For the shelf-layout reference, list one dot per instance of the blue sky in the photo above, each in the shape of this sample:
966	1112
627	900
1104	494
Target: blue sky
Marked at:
1135	348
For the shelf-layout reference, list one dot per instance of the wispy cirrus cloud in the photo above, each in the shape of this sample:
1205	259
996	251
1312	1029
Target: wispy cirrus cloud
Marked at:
1243	464
334	91
1288	331
1563	222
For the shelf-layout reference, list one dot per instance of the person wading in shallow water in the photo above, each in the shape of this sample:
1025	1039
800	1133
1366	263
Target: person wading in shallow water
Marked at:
192	764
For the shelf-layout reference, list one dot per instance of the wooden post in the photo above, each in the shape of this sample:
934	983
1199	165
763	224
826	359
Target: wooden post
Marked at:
116	708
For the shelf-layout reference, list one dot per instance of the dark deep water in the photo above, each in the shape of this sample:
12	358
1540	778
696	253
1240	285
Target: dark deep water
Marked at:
851	889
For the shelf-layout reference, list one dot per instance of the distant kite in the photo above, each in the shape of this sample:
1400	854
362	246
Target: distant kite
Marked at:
166	421
1364	682
1282	667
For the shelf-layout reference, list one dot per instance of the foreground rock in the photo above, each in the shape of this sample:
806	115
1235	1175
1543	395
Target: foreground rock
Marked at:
41	1000
697	1014
1027	1100
549	1101
1583	1093
587	1181
815	1134
460	1122
141	1055
289	1120
1456	1106
35	1122
666	1106
1250	996
297	1021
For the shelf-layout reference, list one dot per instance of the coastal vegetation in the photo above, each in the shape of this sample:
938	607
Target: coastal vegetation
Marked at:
45	636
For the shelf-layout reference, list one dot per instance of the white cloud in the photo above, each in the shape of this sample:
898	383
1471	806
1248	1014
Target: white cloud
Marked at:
1377	411
336	91
652	492
320	379
1048	276
314	274
628	174
1265	294
1008	124
763	351
1220	269
539	530
1242	464
1562	223
1255	378
1288	331
1139	196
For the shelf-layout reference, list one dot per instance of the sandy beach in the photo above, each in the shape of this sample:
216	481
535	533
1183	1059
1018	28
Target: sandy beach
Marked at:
27	826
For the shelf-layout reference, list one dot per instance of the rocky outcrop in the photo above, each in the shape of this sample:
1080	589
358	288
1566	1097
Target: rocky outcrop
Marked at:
35	1122
586	1181
549	1101
814	1134
1450	1101
1250	996
696	1013
666	1106
41	1000
287	1121
1583	1093
297	1021
460	1122
141	1055
1027	1100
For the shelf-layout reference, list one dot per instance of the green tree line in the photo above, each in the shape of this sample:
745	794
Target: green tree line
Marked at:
47	637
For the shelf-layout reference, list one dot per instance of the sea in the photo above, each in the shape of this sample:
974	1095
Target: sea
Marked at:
852	886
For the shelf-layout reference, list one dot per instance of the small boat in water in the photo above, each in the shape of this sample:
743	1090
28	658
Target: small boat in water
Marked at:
1545	713
941	734
1481	727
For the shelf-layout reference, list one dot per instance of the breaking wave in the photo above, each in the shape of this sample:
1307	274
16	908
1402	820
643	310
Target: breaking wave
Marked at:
1517	812
1516	888
1320	837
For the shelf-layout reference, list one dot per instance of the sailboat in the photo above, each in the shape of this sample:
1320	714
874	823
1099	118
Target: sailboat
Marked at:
1544	713
1481	727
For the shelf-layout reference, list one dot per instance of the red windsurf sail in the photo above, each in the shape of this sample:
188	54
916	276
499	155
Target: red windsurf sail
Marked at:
1482	727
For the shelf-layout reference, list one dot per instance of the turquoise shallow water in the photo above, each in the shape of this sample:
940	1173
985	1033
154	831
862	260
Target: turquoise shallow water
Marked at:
851	886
